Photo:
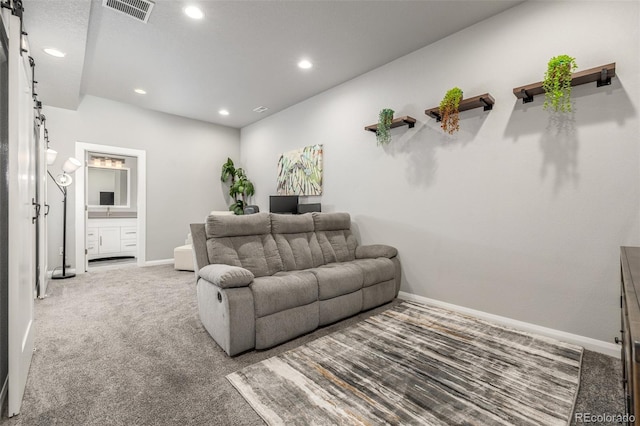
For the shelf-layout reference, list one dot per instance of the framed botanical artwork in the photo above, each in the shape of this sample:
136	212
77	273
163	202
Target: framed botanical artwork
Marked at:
300	171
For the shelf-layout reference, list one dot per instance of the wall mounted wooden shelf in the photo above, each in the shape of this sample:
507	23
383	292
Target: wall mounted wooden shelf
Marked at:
397	122
601	75
485	102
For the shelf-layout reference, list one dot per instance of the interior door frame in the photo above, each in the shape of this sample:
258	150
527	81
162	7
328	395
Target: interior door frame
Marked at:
81	203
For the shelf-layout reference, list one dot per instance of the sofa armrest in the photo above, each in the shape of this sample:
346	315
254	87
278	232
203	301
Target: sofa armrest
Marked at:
375	250
226	276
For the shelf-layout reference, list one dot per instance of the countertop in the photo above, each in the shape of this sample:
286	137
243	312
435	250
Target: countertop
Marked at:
112	215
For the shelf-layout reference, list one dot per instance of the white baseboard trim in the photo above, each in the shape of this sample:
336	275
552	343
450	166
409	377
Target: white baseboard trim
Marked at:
610	349
159	262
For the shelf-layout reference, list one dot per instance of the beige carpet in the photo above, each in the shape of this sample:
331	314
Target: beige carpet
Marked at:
126	347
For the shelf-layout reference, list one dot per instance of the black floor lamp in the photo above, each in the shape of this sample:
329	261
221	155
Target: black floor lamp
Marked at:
62	181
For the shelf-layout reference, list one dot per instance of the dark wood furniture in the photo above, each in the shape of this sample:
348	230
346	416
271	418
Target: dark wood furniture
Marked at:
601	75
485	101
630	304
397	122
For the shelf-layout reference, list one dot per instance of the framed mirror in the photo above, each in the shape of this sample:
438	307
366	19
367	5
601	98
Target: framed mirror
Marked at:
108	187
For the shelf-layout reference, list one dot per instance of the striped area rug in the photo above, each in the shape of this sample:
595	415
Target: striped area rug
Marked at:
417	365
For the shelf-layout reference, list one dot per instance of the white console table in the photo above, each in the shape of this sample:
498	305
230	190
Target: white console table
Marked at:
112	237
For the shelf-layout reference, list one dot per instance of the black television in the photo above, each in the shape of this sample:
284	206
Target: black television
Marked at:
107	198
284	204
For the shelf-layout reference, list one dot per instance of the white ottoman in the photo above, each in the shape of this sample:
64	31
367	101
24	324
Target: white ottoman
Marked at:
183	258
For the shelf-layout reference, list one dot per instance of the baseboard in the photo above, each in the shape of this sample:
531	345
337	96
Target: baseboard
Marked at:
599	346
158	262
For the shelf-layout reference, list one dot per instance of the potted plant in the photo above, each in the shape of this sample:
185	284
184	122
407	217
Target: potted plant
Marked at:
241	188
383	133
449	110
557	83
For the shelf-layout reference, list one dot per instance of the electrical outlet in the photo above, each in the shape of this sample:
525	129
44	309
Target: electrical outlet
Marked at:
60	252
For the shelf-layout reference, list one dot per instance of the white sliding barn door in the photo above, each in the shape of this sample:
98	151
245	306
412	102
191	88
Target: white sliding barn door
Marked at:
21	211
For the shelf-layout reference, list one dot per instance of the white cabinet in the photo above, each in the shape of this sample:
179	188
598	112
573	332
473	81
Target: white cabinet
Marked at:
92	241
111	238
128	239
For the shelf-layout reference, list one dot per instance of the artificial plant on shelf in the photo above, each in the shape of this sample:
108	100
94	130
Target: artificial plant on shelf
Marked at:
241	189
449	110
383	132
557	83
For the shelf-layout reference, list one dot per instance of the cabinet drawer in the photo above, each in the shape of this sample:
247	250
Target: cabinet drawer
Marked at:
128	233
92	235
129	245
92	247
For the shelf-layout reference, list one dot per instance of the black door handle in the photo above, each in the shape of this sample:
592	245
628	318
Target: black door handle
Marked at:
37	206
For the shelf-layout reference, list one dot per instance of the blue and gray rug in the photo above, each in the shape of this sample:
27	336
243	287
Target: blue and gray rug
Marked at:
417	364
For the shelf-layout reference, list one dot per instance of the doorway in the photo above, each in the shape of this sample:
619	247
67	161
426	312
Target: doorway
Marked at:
110	207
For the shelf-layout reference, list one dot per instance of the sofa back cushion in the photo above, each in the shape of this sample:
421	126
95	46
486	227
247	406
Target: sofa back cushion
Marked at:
296	241
333	231
243	241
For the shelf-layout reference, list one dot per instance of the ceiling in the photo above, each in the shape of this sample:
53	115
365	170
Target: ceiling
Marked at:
241	55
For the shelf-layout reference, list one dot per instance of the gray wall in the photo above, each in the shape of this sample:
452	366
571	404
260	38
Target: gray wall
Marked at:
183	166
516	215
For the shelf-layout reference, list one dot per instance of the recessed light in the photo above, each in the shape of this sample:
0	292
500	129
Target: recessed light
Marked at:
305	64
54	52
193	12
140	91
223	112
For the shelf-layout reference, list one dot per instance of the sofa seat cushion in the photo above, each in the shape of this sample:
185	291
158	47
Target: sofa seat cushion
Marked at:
336	279
375	271
283	291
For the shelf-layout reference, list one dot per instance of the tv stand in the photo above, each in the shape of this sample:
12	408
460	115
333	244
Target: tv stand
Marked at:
630	338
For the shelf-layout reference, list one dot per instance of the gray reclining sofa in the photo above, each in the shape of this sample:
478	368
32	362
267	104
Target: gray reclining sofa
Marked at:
263	279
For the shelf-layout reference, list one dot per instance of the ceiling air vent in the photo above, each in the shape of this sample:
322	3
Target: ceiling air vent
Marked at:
137	9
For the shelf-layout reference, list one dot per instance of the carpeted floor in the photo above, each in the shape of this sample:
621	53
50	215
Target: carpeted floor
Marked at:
126	347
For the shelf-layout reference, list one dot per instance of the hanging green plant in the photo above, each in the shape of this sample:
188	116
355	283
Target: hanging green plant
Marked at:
557	83
383	133
449	110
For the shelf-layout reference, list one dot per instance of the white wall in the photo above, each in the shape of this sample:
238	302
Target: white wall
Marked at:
184	157
514	215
